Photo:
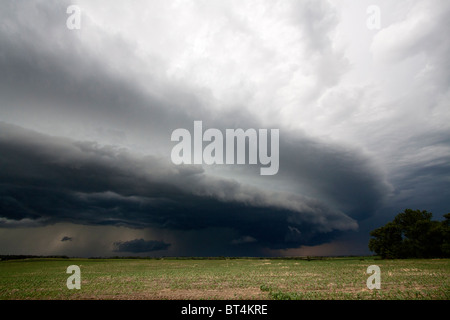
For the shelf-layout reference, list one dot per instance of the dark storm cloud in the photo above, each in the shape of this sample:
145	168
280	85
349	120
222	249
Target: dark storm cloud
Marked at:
339	175
50	77
425	186
243	240
48	180
66	238
140	245
61	180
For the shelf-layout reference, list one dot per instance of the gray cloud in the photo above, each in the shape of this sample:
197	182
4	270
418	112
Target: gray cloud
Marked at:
94	109
140	245
243	240
66	238
49	180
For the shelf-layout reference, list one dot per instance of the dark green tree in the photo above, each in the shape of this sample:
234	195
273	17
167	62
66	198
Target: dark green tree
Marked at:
412	234
386	241
446	234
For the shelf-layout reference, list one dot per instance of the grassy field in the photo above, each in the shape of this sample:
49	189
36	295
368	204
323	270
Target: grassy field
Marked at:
331	278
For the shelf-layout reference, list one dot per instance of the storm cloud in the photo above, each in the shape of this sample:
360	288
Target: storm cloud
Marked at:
140	245
50	180
86	118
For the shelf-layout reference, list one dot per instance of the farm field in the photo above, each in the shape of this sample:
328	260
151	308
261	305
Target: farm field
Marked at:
225	279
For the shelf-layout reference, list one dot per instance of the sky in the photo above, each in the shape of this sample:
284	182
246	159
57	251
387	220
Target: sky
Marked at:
90	96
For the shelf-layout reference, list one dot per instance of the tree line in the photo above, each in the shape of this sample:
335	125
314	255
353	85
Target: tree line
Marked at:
412	234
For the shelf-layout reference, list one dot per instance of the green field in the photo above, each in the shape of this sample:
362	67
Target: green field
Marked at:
327	278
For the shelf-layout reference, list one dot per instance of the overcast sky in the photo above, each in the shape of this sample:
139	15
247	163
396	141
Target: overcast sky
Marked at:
359	90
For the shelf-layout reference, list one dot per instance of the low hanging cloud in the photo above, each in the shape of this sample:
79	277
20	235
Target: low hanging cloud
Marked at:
140	246
49	180
96	149
243	240
66	238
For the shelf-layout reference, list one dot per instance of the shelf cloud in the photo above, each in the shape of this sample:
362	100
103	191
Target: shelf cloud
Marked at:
140	245
86	117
